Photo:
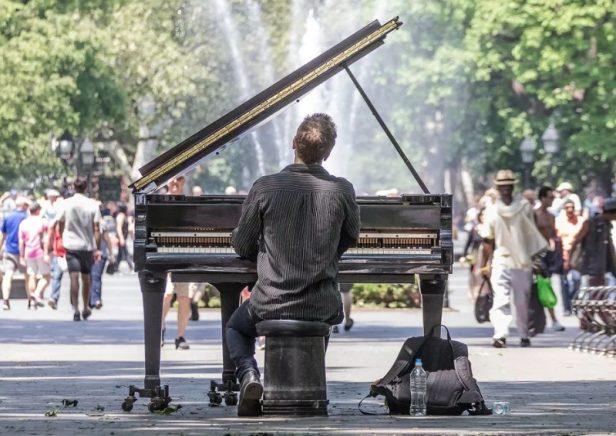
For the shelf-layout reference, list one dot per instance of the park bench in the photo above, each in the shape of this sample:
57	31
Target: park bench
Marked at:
596	308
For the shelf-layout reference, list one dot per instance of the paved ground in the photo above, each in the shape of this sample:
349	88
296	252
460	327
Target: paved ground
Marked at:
45	358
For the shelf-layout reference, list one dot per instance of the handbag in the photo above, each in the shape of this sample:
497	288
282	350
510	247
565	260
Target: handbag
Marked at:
451	388
484	301
545	293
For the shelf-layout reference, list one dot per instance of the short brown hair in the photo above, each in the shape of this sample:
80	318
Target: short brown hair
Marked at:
315	138
80	184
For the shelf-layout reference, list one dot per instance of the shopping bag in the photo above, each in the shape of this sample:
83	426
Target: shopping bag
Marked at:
484	301
546	295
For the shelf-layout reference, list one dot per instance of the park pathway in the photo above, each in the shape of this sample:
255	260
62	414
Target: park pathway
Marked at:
45	357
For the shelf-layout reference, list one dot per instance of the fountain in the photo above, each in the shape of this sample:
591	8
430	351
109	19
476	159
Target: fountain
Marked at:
239	69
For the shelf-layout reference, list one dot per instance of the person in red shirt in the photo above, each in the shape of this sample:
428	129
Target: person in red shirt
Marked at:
58	264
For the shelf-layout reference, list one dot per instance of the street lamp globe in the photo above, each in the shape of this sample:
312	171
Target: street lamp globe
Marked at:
66	146
86	153
527	149
550	139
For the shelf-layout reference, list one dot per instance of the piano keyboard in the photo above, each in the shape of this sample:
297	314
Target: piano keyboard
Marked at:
229	250
370	242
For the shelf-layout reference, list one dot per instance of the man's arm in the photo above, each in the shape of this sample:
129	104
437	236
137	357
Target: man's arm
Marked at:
245	237
351	225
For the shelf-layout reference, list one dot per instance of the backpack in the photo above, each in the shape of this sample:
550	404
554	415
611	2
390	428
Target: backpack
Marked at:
451	386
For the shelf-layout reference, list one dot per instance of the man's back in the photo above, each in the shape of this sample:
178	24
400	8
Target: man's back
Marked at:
79	214
297	224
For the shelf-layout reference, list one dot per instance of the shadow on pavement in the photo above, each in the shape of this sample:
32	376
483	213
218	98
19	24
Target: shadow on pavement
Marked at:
548	407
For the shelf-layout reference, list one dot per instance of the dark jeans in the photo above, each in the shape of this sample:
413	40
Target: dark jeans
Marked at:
570	287
241	333
97	280
56	279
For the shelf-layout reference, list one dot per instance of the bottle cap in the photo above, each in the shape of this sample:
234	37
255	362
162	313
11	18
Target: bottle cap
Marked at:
418	362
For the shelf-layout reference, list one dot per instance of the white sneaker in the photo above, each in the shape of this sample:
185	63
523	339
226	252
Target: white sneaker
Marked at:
557	327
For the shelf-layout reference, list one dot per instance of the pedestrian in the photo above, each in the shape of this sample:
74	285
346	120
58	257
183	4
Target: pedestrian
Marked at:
554	257
122	224
79	221
10	238
96	297
181	290
568	226
595	238
58	263
34	254
530	196
511	239
51	205
472	255
346	293
565	192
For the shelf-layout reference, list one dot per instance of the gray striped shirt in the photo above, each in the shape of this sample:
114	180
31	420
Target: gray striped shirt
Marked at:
296	224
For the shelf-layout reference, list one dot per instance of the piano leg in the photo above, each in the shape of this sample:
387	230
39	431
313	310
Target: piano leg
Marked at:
433	289
229	301
152	292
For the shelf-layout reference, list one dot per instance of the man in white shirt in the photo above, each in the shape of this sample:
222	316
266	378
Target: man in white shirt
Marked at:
79	219
511	239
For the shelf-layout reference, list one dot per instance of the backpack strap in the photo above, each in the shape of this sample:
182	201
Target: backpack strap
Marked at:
407	352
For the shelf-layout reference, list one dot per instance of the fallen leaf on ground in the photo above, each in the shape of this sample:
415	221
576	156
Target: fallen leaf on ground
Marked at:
52	413
168	410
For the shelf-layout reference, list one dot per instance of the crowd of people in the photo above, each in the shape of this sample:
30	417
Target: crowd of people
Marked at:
62	234
549	233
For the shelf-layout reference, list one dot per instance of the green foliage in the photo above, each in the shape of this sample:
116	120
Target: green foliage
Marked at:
386	295
460	84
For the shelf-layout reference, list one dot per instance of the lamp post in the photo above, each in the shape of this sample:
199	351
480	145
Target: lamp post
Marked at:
527	149
64	147
550	139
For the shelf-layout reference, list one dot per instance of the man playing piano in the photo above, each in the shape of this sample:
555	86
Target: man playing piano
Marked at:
295	224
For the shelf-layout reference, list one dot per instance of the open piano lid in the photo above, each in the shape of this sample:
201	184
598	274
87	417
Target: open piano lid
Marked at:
228	127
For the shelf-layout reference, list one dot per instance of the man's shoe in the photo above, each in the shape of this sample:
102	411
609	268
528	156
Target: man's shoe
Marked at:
499	342
98	304
86	314
76	316
162	338
335	329
6	305
181	343
349	326
524	342
52	303
557	327
194	311
250	395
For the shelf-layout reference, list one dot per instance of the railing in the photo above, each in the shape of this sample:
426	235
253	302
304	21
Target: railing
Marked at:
596	309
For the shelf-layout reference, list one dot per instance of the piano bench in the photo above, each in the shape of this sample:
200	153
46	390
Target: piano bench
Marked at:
294	380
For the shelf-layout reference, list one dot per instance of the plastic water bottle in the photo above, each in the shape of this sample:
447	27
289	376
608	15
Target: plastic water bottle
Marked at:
419	379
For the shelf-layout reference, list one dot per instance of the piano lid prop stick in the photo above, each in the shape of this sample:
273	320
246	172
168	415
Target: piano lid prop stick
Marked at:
408	163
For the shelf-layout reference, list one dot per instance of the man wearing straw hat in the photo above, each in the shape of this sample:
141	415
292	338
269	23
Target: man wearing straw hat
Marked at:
511	241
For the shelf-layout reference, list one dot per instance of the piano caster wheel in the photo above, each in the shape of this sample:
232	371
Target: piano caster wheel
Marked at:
158	404
127	405
214	396
231	398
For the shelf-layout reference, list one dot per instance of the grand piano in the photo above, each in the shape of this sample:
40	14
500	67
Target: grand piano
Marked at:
402	239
